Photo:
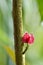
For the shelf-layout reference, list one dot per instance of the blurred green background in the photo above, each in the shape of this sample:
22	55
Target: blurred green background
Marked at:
32	22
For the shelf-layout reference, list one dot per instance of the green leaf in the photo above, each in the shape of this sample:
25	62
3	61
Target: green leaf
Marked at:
40	5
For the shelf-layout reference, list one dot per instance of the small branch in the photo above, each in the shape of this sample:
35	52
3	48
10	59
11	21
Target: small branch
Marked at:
18	29
25	49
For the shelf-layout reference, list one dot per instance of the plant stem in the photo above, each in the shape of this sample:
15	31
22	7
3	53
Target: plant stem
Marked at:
18	30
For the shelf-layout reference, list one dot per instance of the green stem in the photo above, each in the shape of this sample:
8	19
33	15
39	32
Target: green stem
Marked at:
18	30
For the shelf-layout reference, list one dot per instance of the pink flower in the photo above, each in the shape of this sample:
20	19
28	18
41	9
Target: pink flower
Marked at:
28	38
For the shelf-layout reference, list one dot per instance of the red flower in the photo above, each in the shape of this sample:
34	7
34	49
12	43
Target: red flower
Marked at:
28	38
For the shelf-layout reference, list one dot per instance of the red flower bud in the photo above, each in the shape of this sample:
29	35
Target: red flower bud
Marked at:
28	38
